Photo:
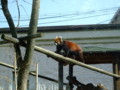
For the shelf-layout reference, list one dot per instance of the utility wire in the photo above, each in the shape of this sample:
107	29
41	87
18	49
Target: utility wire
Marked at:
57	21
77	13
87	12
59	16
75	18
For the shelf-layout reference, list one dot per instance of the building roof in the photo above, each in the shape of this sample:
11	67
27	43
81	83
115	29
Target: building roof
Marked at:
67	28
116	18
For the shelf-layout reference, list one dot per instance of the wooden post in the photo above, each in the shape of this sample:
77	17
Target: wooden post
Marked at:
15	73
116	70
36	76
70	76
28	84
60	76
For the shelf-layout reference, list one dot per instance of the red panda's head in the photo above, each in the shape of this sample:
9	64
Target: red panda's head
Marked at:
58	40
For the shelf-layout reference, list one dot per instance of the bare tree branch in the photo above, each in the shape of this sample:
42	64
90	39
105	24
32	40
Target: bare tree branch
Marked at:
13	30
24	10
18	13
27	2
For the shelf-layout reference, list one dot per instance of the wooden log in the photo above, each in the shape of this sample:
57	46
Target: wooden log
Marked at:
30	36
94	57
9	38
4	42
31	73
72	61
7	65
14	40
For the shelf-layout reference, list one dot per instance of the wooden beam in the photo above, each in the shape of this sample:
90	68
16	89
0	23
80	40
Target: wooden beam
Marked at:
31	73
31	36
9	38
72	61
36	76
97	57
91	57
116	70
60	75
70	76
16	40
7	65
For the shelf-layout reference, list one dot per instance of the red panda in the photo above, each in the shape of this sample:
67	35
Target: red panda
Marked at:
69	48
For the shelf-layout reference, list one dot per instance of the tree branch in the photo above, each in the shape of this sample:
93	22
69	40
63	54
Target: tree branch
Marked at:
18	13
13	30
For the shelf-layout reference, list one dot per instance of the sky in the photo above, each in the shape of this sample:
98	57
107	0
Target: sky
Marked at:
63	12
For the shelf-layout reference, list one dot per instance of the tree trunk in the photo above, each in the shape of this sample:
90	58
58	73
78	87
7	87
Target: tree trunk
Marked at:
24	69
23	66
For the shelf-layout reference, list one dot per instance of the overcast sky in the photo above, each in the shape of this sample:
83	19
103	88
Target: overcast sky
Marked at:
64	12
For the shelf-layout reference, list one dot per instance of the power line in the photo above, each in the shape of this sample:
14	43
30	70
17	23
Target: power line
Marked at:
76	13
74	18
103	11
87	12
71	19
61	16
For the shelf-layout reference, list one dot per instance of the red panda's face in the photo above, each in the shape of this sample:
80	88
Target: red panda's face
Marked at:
57	41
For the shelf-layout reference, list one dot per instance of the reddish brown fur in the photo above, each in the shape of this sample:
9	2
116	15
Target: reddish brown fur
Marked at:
72	47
